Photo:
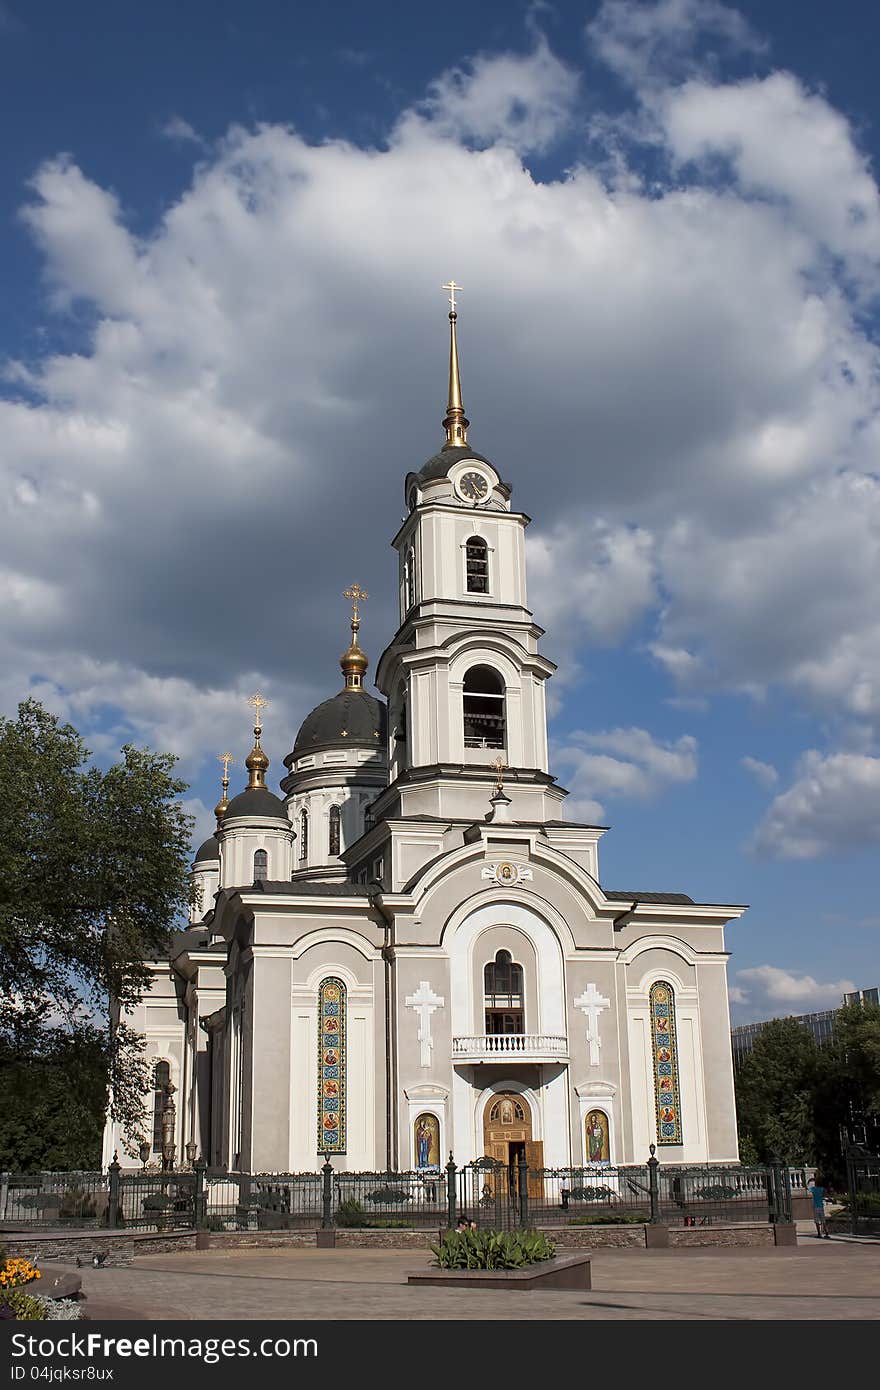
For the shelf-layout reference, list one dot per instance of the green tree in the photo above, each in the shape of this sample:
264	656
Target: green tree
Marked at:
848	1095
93	879
776	1086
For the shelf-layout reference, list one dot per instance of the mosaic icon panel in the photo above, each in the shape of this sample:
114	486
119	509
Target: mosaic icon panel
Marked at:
331	1066
667	1094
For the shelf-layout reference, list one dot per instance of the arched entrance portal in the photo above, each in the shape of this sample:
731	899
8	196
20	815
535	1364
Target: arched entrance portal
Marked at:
507	1137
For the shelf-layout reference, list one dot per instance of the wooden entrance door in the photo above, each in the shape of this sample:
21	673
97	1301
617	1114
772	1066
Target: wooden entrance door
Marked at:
507	1133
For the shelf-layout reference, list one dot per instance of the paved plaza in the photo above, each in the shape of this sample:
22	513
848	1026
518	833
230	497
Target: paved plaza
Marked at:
817	1279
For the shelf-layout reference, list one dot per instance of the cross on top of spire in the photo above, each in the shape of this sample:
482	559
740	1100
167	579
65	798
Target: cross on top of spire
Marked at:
452	287
259	705
357	595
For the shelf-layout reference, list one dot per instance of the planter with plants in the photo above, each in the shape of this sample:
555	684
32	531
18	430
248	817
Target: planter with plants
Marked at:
498	1259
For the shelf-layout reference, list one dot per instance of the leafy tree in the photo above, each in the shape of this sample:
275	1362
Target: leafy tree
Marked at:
848	1095
93	879
776	1085
54	1103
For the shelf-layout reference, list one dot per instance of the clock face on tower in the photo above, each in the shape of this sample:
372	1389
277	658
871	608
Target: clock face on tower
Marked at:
472	486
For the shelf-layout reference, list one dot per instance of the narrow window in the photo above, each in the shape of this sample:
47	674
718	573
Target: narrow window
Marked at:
304	834
335	818
503	995
331	1065
161	1082
665	1049
483	708
477	565
409	579
261	865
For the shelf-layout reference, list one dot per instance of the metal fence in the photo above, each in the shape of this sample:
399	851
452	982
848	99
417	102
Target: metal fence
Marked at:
487	1192
863	1191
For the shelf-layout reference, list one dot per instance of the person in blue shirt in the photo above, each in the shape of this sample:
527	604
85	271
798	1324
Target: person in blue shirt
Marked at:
818	1194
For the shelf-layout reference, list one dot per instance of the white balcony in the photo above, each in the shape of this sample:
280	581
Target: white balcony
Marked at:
510	1047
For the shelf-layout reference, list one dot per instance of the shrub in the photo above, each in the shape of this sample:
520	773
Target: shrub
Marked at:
76	1202
611	1218
24	1307
492	1249
350	1213
389	1195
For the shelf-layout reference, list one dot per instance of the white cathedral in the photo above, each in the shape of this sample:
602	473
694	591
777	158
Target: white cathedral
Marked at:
409	952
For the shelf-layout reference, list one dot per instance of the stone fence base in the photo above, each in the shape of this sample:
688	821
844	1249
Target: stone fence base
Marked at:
121	1248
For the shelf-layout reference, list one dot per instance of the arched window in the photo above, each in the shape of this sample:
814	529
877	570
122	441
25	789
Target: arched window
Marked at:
664	1047
503	995
483	708
409	579
335	821
161	1082
331	1065
304	834
477	565
261	865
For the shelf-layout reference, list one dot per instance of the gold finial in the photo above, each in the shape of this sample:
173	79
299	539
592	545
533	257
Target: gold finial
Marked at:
456	423
256	761
222	804
499	765
354	662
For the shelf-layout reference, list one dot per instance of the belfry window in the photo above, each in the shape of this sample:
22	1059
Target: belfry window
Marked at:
483	708
335	820
304	834
261	865
503	995
161	1082
477	565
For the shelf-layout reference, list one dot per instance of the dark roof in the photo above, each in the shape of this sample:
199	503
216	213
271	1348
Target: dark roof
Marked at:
319	889
440	464
617	896
209	849
353	713
257	801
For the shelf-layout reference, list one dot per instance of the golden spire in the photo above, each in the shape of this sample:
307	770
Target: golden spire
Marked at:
456	423
354	662
220	808
256	761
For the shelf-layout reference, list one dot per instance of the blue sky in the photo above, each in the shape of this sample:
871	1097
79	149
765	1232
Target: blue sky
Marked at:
224	229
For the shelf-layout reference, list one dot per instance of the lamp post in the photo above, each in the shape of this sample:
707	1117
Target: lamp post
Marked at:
144	1150
169	1118
192	1149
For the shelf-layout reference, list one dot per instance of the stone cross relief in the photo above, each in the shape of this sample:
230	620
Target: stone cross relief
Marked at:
592	1003
424	1002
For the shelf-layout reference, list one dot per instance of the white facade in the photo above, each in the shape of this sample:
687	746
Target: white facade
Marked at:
429	893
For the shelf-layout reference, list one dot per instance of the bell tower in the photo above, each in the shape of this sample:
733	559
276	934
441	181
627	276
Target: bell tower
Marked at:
463	676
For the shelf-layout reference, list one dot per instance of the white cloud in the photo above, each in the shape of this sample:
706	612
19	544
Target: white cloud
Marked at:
521	100
664	41
765	774
787	993
737	995
180	130
623	762
609	579
832	808
809	164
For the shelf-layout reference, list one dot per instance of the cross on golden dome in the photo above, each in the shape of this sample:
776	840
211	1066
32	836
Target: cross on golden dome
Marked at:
500	766
357	595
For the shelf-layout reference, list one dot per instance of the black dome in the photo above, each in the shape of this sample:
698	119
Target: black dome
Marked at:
353	713
257	801
209	849
440	464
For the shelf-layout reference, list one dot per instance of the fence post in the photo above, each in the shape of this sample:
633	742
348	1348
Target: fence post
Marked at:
852	1190
113	1198
523	1184
775	1190
451	1217
327	1194
654	1184
200	1206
